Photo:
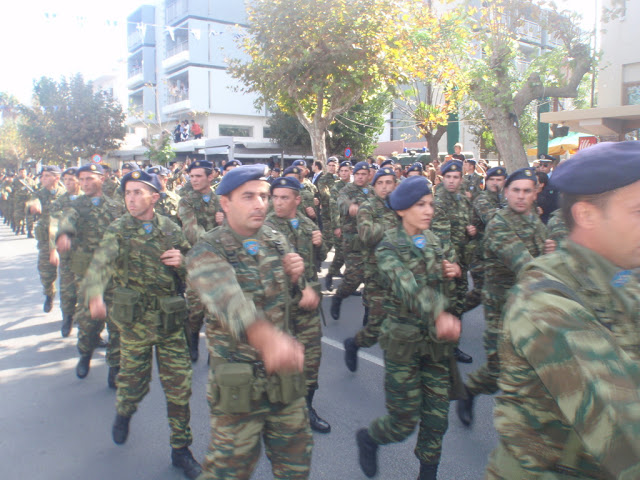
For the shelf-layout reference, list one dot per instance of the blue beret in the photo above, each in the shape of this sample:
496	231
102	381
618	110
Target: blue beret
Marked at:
131	166
50	169
200	164
141	176
599	168
286	182
276	169
361	166
91	168
232	163
415	167
470	160
526	173
241	175
70	171
346	163
292	169
496	172
155	169
375	166
299	163
332	160
451	166
382	172
386	162
408	192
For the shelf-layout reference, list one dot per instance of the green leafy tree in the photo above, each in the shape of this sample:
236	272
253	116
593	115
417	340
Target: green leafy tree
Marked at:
160	151
68	120
12	151
289	133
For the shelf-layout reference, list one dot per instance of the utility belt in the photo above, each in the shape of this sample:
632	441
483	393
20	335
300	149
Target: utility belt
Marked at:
169	312
237	384
401	342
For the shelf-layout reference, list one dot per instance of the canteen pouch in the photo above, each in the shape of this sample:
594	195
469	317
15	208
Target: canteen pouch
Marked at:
234	382
124	305
80	262
285	388
173	311
400	341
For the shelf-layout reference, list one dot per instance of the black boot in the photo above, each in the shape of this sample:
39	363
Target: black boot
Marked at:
82	369
428	471
111	378
365	318
102	343
461	356
48	303
351	354
335	307
67	323
464	407
120	429
30	235
317	423
182	458
367	453
328	282
193	346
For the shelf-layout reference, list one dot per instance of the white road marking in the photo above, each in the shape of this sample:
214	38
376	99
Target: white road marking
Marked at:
363	355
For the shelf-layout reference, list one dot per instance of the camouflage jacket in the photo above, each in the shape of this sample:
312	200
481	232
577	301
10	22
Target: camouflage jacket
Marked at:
556	227
570	371
324	184
240	281
415	289
47	201
450	219
472	183
110	186
197	214
168	206
308	193
374	219
349	195
57	209
22	190
333	203
485	206
511	240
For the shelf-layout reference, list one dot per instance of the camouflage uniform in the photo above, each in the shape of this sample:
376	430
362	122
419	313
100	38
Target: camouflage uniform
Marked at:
168	206
22	189
472	183
48	272
374	219
308	193
324	185
6	190
351	243
85	223
511	241
338	258
558	231
417	367
569	371
111	186
130	257
237	287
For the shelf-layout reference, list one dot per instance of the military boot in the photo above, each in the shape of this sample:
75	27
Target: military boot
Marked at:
182	458
30	234
193	346
120	429
367	452
82	369
328	282
351	354
102	343
335	307
461	356
365	318
111	377
48	303
67	323
318	424
428	471
464	408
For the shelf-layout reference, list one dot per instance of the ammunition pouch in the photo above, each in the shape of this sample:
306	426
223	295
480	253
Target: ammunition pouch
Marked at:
172	313
285	388
80	262
401	341
124	305
234	382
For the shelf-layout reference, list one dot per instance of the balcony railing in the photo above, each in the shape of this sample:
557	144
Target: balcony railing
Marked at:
135	70
176	95
134	39
176	49
176	9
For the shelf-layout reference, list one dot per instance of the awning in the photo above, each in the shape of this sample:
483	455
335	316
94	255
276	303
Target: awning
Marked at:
601	121
560	145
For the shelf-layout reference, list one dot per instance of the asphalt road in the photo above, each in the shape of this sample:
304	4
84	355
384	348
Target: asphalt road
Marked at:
54	426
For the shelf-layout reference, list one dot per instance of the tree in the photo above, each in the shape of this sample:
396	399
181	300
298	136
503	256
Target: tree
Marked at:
12	151
500	89
69	120
288	132
160	151
315	60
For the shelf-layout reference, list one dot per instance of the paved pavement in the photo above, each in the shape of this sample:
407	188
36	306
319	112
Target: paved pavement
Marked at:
54	426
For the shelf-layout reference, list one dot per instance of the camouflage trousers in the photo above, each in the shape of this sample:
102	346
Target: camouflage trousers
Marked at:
48	273
195	320
68	297
374	301
457	299
19	216
353	273
174	370
308	331
327	234
485	379
474	297
338	256
236	441
89	329
416	392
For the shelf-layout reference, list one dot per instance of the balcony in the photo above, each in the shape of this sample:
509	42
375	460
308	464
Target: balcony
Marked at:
176	10
177	56
530	32
135	78
134	40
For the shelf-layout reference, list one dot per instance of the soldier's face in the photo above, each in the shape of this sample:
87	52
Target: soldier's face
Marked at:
361	178
495	184
469	167
544	167
331	168
520	195
384	186
140	199
200	181
418	217
452	181
49	180
345	174
163	181
246	207
372	173
285	202
71	183
91	183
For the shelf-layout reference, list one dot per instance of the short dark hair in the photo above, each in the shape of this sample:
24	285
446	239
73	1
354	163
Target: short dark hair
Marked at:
543	178
318	164
568	200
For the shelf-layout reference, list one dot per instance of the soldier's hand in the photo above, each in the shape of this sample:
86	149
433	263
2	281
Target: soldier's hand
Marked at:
539	210
316	201
447	327
293	266
451	270
550	246
471	230
35	208
316	238
63	243
468	195
337	232
219	218
172	258
54	258
97	308
280	352
310	299
310	212
353	209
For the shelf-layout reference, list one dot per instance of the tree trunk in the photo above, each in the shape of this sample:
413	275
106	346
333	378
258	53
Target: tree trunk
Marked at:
318	143
433	139
507	137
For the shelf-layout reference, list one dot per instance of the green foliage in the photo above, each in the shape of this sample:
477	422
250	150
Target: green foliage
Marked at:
288	132
12	152
160	151
69	120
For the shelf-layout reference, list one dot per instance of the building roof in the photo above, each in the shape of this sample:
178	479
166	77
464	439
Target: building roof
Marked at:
601	121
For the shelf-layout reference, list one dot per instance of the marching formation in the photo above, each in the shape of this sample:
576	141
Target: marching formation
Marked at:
551	252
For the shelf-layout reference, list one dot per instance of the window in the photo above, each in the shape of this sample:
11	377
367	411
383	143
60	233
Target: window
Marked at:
266	132
631	92
235	131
